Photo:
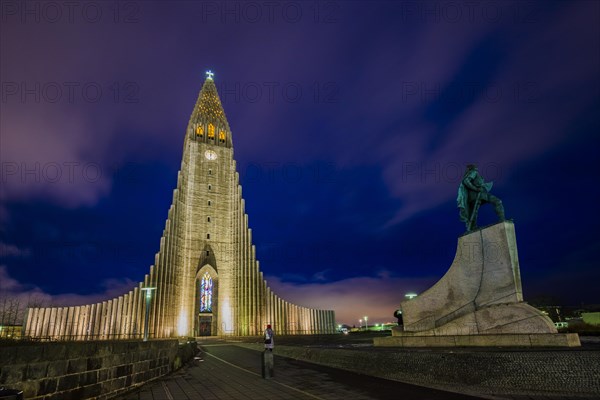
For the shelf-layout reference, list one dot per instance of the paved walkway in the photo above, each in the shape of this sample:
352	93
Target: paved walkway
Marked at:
227	371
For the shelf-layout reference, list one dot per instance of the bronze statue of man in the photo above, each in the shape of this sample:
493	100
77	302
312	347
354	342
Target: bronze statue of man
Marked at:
472	192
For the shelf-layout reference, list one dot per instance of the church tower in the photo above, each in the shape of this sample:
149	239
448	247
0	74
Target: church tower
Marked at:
206	278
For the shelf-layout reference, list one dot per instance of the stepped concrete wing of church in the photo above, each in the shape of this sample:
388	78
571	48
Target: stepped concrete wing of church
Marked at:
206	276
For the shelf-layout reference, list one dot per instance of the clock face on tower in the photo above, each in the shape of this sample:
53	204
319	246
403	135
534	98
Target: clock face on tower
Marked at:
210	155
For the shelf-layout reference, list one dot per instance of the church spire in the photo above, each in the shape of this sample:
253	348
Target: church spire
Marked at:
208	123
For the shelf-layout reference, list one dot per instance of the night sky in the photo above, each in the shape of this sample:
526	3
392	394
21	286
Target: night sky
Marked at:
352	122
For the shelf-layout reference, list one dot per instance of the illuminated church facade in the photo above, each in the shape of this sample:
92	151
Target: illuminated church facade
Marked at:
206	277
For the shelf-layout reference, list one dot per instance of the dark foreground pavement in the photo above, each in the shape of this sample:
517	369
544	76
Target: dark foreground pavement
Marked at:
226	371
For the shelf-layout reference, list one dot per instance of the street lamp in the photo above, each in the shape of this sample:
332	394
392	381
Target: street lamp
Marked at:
366	323
360	321
148	291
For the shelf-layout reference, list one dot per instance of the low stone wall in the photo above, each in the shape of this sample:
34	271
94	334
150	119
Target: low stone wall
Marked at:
495	373
88	370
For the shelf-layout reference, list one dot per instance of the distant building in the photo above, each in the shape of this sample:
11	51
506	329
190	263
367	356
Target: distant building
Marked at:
206	274
10	331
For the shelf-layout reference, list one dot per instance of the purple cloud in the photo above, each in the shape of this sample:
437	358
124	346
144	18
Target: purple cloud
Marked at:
353	298
24	292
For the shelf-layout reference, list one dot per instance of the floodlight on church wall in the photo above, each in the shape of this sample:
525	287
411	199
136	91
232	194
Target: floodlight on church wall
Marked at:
182	323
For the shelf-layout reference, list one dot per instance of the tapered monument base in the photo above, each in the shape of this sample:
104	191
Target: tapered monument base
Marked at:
478	302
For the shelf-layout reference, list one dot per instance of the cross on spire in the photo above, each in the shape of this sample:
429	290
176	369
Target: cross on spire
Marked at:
209	74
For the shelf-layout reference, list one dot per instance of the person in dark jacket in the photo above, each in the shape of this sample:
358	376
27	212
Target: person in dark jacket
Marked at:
268	336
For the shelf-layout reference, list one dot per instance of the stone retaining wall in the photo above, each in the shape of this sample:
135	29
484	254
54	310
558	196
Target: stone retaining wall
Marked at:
87	370
573	374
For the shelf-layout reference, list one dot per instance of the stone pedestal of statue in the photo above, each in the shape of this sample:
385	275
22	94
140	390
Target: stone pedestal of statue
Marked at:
478	302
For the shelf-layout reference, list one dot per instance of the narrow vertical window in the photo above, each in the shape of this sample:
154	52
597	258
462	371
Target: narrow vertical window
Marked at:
208	235
210	171
208	219
211	131
206	292
222	137
209	202
200	130
209	187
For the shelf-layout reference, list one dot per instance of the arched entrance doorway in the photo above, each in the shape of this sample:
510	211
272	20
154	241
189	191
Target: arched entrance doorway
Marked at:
206	301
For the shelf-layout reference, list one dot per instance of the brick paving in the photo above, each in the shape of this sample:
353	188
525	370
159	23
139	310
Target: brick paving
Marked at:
226	371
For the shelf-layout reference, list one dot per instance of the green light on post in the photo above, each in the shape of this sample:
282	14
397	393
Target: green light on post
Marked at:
148	291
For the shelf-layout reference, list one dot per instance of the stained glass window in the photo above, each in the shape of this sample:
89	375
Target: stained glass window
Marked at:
206	292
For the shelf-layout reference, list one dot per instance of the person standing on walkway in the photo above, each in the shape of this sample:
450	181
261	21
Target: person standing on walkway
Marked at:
269	338
398	315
